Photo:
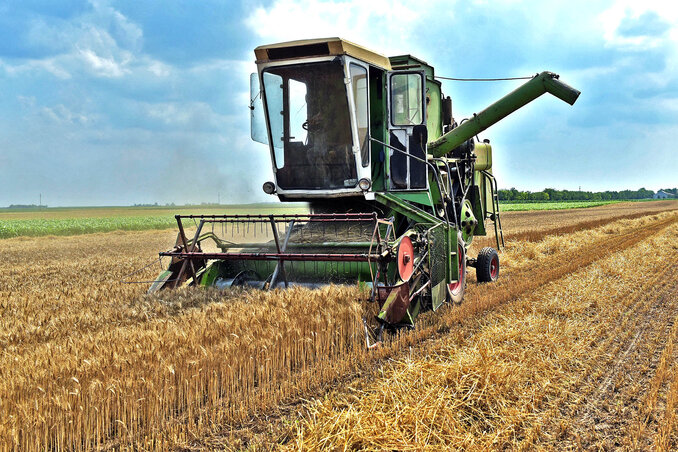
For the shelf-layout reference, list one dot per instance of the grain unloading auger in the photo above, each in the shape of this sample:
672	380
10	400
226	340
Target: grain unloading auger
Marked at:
397	189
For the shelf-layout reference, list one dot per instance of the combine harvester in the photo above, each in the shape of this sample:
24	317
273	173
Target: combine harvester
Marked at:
397	189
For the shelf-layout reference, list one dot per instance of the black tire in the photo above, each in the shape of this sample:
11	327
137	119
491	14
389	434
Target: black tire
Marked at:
487	266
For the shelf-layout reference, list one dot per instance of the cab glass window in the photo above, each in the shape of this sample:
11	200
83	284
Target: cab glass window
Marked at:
406	100
359	87
298	110
257	119
310	126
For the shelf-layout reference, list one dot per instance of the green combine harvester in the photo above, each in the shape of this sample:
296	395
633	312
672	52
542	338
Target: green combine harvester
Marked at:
397	188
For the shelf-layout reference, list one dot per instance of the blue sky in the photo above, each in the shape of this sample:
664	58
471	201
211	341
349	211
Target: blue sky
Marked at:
121	102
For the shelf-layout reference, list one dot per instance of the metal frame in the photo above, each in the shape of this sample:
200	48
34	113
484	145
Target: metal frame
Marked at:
361	172
407	129
496	219
187	253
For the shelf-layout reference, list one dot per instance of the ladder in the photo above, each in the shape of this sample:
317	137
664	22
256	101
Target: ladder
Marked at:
494	216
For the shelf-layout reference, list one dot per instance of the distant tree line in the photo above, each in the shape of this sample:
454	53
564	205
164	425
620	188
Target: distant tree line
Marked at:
26	206
551	194
171	204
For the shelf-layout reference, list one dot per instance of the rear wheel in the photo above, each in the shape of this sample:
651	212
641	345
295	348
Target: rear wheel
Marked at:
487	266
456	290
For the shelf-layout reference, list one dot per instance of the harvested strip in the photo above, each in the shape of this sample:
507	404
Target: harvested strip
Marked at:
667	436
604	409
486	385
535	225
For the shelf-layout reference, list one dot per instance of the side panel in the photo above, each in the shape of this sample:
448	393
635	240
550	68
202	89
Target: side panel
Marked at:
399	162
437	237
417	148
434	115
258	130
478	203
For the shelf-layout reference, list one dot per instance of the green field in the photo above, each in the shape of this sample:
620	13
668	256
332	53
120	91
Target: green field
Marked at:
550	205
85	220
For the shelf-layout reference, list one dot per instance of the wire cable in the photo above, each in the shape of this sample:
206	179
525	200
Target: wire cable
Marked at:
483	79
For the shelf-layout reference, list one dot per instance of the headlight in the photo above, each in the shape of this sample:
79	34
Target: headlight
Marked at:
364	184
269	188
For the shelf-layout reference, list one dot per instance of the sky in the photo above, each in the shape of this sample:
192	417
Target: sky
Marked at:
123	102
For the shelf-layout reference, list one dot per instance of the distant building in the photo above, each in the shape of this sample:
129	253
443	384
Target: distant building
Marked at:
661	194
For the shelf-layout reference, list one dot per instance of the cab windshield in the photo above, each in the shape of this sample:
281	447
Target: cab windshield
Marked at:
310	128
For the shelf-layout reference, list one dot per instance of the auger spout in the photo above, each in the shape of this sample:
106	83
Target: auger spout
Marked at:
546	82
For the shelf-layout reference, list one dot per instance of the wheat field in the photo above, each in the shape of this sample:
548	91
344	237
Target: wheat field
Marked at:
573	345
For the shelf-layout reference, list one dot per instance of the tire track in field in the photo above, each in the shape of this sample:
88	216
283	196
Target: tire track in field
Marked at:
560	266
433	326
554	424
624	413
605	400
666	418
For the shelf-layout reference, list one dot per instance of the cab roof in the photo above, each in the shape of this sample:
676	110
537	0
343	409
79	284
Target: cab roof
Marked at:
319	47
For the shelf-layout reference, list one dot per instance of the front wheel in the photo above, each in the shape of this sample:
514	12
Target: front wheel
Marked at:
487	266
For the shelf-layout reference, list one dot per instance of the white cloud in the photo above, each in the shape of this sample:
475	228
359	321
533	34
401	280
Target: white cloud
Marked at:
158	68
53	67
126	33
49	65
385	25
185	115
52	36
58	114
61	114
238	70
665	14
101	43
26	101
105	67
612	18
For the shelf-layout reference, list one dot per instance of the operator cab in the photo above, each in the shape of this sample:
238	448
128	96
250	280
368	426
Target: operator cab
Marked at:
338	120
310	126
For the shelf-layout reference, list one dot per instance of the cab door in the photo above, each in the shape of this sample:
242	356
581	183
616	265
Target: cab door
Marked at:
407	130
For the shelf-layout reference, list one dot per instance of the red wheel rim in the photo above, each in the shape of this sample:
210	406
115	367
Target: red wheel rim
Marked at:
494	267
405	259
456	287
